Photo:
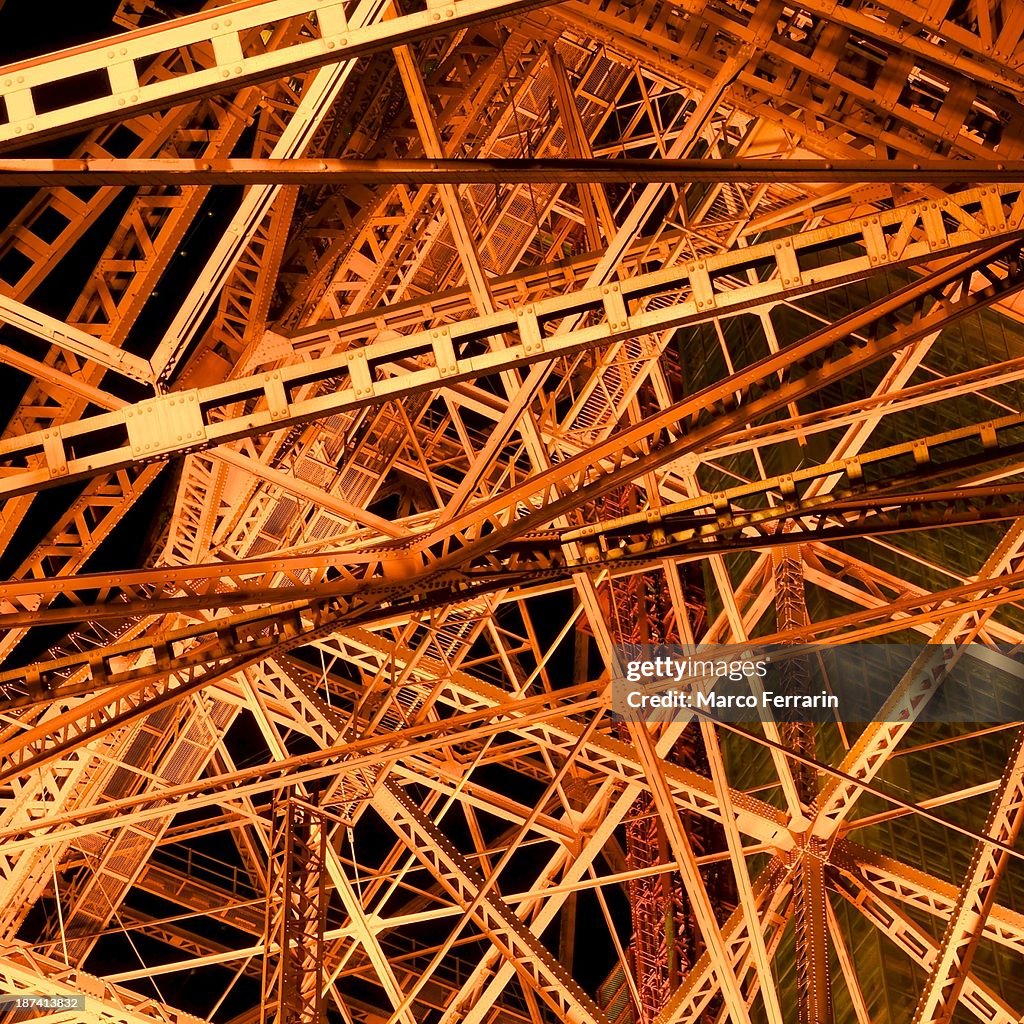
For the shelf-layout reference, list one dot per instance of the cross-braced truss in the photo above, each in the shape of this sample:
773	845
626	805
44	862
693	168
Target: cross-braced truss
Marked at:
536	328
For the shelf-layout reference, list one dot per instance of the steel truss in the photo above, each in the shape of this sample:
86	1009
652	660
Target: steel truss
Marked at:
537	328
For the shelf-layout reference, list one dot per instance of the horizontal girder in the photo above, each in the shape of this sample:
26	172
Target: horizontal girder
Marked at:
420	171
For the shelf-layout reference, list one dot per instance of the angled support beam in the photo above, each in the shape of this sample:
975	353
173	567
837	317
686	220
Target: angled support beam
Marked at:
702	983
56	382
597	211
315	105
965	927
25	972
979	998
846	965
74	339
550	979
748	899
881	737
925	892
937	35
367	938
334	36
868	755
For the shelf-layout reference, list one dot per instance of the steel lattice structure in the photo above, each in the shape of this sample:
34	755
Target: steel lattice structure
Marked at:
373	369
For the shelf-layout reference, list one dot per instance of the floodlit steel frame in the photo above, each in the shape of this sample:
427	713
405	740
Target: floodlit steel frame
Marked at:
536	328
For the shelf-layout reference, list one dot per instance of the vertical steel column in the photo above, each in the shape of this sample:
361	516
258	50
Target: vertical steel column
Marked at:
664	931
814	982
810	918
293	960
650	897
791	614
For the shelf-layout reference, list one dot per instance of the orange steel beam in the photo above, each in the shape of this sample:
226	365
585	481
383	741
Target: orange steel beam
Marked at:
950	970
913	940
881	482
337	34
15	173
175	422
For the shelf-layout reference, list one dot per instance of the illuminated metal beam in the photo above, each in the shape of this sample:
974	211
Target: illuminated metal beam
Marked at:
881	482
876	743
359	754
74	339
26	972
687	1004
897	926
296	912
816	84
700	901
466	885
317	101
747	895
846	965
181	422
111	66
949	971
923	891
257	634
35	172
